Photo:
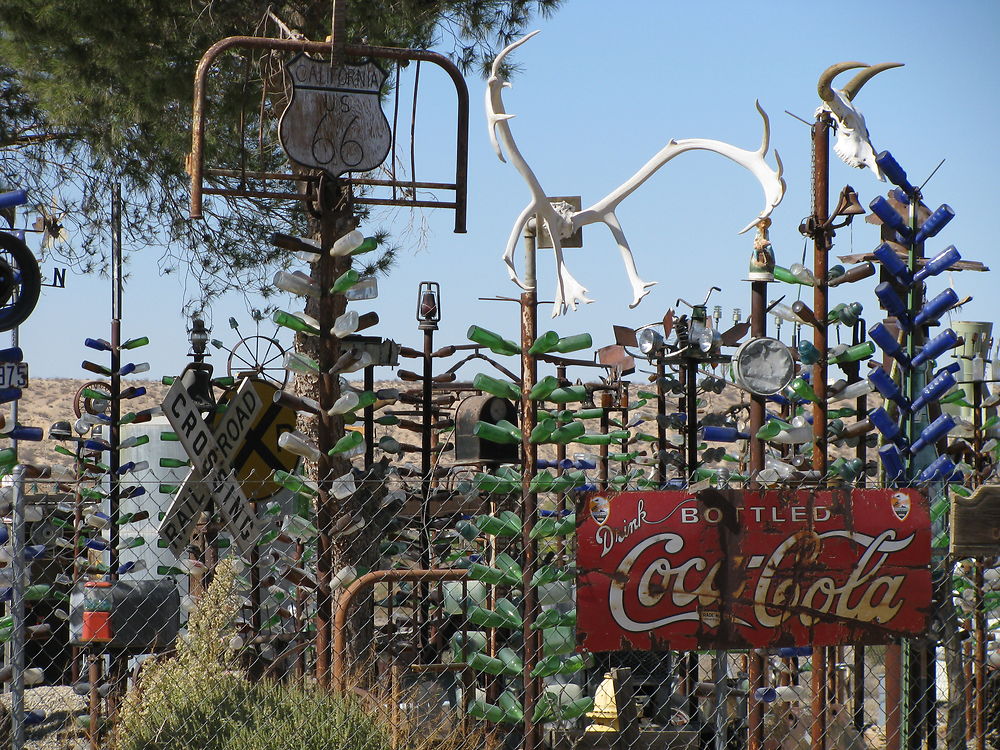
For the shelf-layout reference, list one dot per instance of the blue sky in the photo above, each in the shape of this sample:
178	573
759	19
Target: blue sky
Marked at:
601	89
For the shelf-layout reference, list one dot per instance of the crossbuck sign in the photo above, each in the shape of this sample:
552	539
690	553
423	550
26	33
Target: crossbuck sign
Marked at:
211	476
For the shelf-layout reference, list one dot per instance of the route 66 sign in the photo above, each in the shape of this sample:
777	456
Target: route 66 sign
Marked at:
334	120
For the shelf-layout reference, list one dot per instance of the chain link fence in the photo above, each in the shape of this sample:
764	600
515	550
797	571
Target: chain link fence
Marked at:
419	641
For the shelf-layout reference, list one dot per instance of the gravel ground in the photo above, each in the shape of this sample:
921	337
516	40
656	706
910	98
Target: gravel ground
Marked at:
60	705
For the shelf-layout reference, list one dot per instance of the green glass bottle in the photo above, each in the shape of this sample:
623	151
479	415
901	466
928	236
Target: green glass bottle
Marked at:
558	664
366	246
173	463
292	322
345	281
544	343
606	439
541	390
498	388
493	341
503	432
136	342
568	394
349	442
505	524
854	353
801	388
295	483
567	433
576	343
542	431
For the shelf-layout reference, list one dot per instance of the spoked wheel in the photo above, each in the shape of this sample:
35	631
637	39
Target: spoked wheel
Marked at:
20	282
261	357
90	405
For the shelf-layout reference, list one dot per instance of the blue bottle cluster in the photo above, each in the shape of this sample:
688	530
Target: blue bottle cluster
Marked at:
915	326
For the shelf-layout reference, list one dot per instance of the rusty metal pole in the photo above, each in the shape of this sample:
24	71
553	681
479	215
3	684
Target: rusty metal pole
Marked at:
529	376
336	219
821	307
427	406
893	696
661	427
756	673
980	658
821	303
603	450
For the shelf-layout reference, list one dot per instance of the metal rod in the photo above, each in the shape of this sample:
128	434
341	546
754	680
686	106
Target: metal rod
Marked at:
821	304
19	570
196	163
529	548
425	485
335	221
756	673
980	636
893	696
366	581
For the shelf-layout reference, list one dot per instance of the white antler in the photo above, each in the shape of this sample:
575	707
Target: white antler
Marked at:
570	292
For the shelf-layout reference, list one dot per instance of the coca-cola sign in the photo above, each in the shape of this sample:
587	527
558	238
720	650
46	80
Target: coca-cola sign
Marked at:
730	569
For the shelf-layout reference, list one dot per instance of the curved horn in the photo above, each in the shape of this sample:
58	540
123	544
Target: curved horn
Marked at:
495	71
854	85
827	76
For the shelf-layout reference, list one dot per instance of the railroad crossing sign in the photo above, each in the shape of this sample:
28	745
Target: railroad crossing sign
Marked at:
259	456
211	477
334	120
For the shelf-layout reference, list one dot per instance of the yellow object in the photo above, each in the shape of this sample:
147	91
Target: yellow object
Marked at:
604	714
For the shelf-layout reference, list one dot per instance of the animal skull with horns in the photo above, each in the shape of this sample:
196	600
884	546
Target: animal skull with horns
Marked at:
562	221
853	145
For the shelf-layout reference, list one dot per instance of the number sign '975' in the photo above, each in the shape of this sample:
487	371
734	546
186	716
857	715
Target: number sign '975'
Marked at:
14	375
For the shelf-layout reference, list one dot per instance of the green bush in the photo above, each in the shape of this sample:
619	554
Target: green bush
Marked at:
199	699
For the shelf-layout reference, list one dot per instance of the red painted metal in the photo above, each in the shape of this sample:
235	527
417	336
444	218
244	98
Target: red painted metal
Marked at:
732	569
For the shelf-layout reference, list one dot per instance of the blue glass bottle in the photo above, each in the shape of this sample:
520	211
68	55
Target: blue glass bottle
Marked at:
941	468
932	433
936	307
888	388
891	302
887	426
887	343
935	223
938	264
934	390
892	462
937	346
893	264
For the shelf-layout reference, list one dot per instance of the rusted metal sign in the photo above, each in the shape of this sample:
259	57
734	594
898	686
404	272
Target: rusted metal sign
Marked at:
731	569
334	120
975	523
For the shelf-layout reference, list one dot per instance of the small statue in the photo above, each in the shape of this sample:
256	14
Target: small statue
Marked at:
762	260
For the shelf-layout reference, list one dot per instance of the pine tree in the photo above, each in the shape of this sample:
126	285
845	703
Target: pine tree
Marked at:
92	93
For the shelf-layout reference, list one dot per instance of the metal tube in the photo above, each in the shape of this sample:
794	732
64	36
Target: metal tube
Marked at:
756	672
661	428
529	548
818	731
980	658
370	579
821	304
335	220
425	485
19	570
893	696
